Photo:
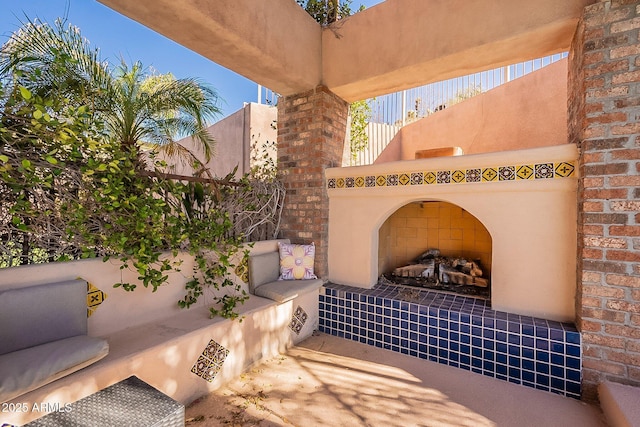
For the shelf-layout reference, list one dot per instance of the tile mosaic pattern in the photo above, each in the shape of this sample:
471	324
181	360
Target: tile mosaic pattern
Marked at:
298	320
95	297
242	270
458	331
210	361
549	170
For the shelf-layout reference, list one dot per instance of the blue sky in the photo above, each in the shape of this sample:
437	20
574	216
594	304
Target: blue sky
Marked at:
118	36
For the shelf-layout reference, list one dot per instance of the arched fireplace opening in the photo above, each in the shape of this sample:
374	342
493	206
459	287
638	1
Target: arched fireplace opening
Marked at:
437	245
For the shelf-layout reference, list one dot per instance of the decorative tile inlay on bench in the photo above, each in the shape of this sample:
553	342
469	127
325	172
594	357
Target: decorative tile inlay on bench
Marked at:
535	171
95	297
457	331
298	320
210	361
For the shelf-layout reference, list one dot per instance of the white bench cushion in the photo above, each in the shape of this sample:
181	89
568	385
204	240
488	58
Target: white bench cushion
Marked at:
25	370
285	290
264	270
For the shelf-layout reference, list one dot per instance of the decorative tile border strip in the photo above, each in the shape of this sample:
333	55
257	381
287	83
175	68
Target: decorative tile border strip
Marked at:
535	171
210	361
458	331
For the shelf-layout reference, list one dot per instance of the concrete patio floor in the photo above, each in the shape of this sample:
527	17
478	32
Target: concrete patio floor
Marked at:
330	381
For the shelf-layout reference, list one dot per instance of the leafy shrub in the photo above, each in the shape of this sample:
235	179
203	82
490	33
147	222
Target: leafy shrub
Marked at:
69	192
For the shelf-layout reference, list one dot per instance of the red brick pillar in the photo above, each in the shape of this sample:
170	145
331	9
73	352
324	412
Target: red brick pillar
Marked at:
604	113
311	132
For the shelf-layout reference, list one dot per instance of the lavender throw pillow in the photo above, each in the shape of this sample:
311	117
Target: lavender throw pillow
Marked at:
296	261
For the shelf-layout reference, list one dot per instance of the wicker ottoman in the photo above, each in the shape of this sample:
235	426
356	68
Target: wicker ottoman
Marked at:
131	402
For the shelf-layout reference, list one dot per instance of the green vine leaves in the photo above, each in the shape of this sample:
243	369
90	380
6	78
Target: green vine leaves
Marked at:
69	192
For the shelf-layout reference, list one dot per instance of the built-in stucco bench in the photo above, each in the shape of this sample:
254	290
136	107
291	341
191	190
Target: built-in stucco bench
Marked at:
166	352
167	348
264	273
43	336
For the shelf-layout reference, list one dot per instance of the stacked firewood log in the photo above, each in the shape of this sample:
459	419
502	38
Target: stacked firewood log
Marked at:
434	267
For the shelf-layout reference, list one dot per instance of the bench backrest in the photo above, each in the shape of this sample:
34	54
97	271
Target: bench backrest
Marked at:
263	268
39	314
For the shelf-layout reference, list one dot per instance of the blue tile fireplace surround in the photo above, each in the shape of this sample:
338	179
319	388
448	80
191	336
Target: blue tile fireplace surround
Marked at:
458	331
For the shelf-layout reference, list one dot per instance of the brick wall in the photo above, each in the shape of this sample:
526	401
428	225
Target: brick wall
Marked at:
311	132
604	113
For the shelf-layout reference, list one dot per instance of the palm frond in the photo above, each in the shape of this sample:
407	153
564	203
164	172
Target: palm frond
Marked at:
181	155
178	108
53	61
135	103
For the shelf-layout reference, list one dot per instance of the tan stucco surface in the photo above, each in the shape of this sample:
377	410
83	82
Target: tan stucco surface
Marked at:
120	309
150	337
275	43
234	135
400	44
528	112
532	224
394	45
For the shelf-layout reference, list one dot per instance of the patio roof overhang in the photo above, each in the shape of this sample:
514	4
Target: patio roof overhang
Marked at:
394	45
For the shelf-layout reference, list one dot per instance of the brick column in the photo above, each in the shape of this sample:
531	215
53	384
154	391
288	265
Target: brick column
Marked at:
604	113
311	132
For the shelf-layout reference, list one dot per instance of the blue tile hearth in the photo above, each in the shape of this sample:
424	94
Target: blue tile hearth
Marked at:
458	331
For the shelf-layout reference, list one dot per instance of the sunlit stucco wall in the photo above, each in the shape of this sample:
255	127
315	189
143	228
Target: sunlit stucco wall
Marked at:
234	136
528	112
117	309
150	337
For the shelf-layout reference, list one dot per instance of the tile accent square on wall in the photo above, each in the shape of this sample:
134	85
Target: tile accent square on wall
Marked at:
95	297
210	361
298	320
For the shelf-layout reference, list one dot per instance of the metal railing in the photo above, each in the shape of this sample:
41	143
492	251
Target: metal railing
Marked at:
389	113
267	96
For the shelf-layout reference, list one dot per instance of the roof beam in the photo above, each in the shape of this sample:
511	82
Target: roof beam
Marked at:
399	44
395	45
274	43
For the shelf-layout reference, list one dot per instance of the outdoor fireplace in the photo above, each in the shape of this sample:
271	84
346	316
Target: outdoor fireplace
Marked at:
524	201
435	245
511	214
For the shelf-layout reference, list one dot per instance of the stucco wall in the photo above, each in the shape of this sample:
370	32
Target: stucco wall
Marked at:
532	223
399	44
528	112
120	309
234	136
394	45
275	43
